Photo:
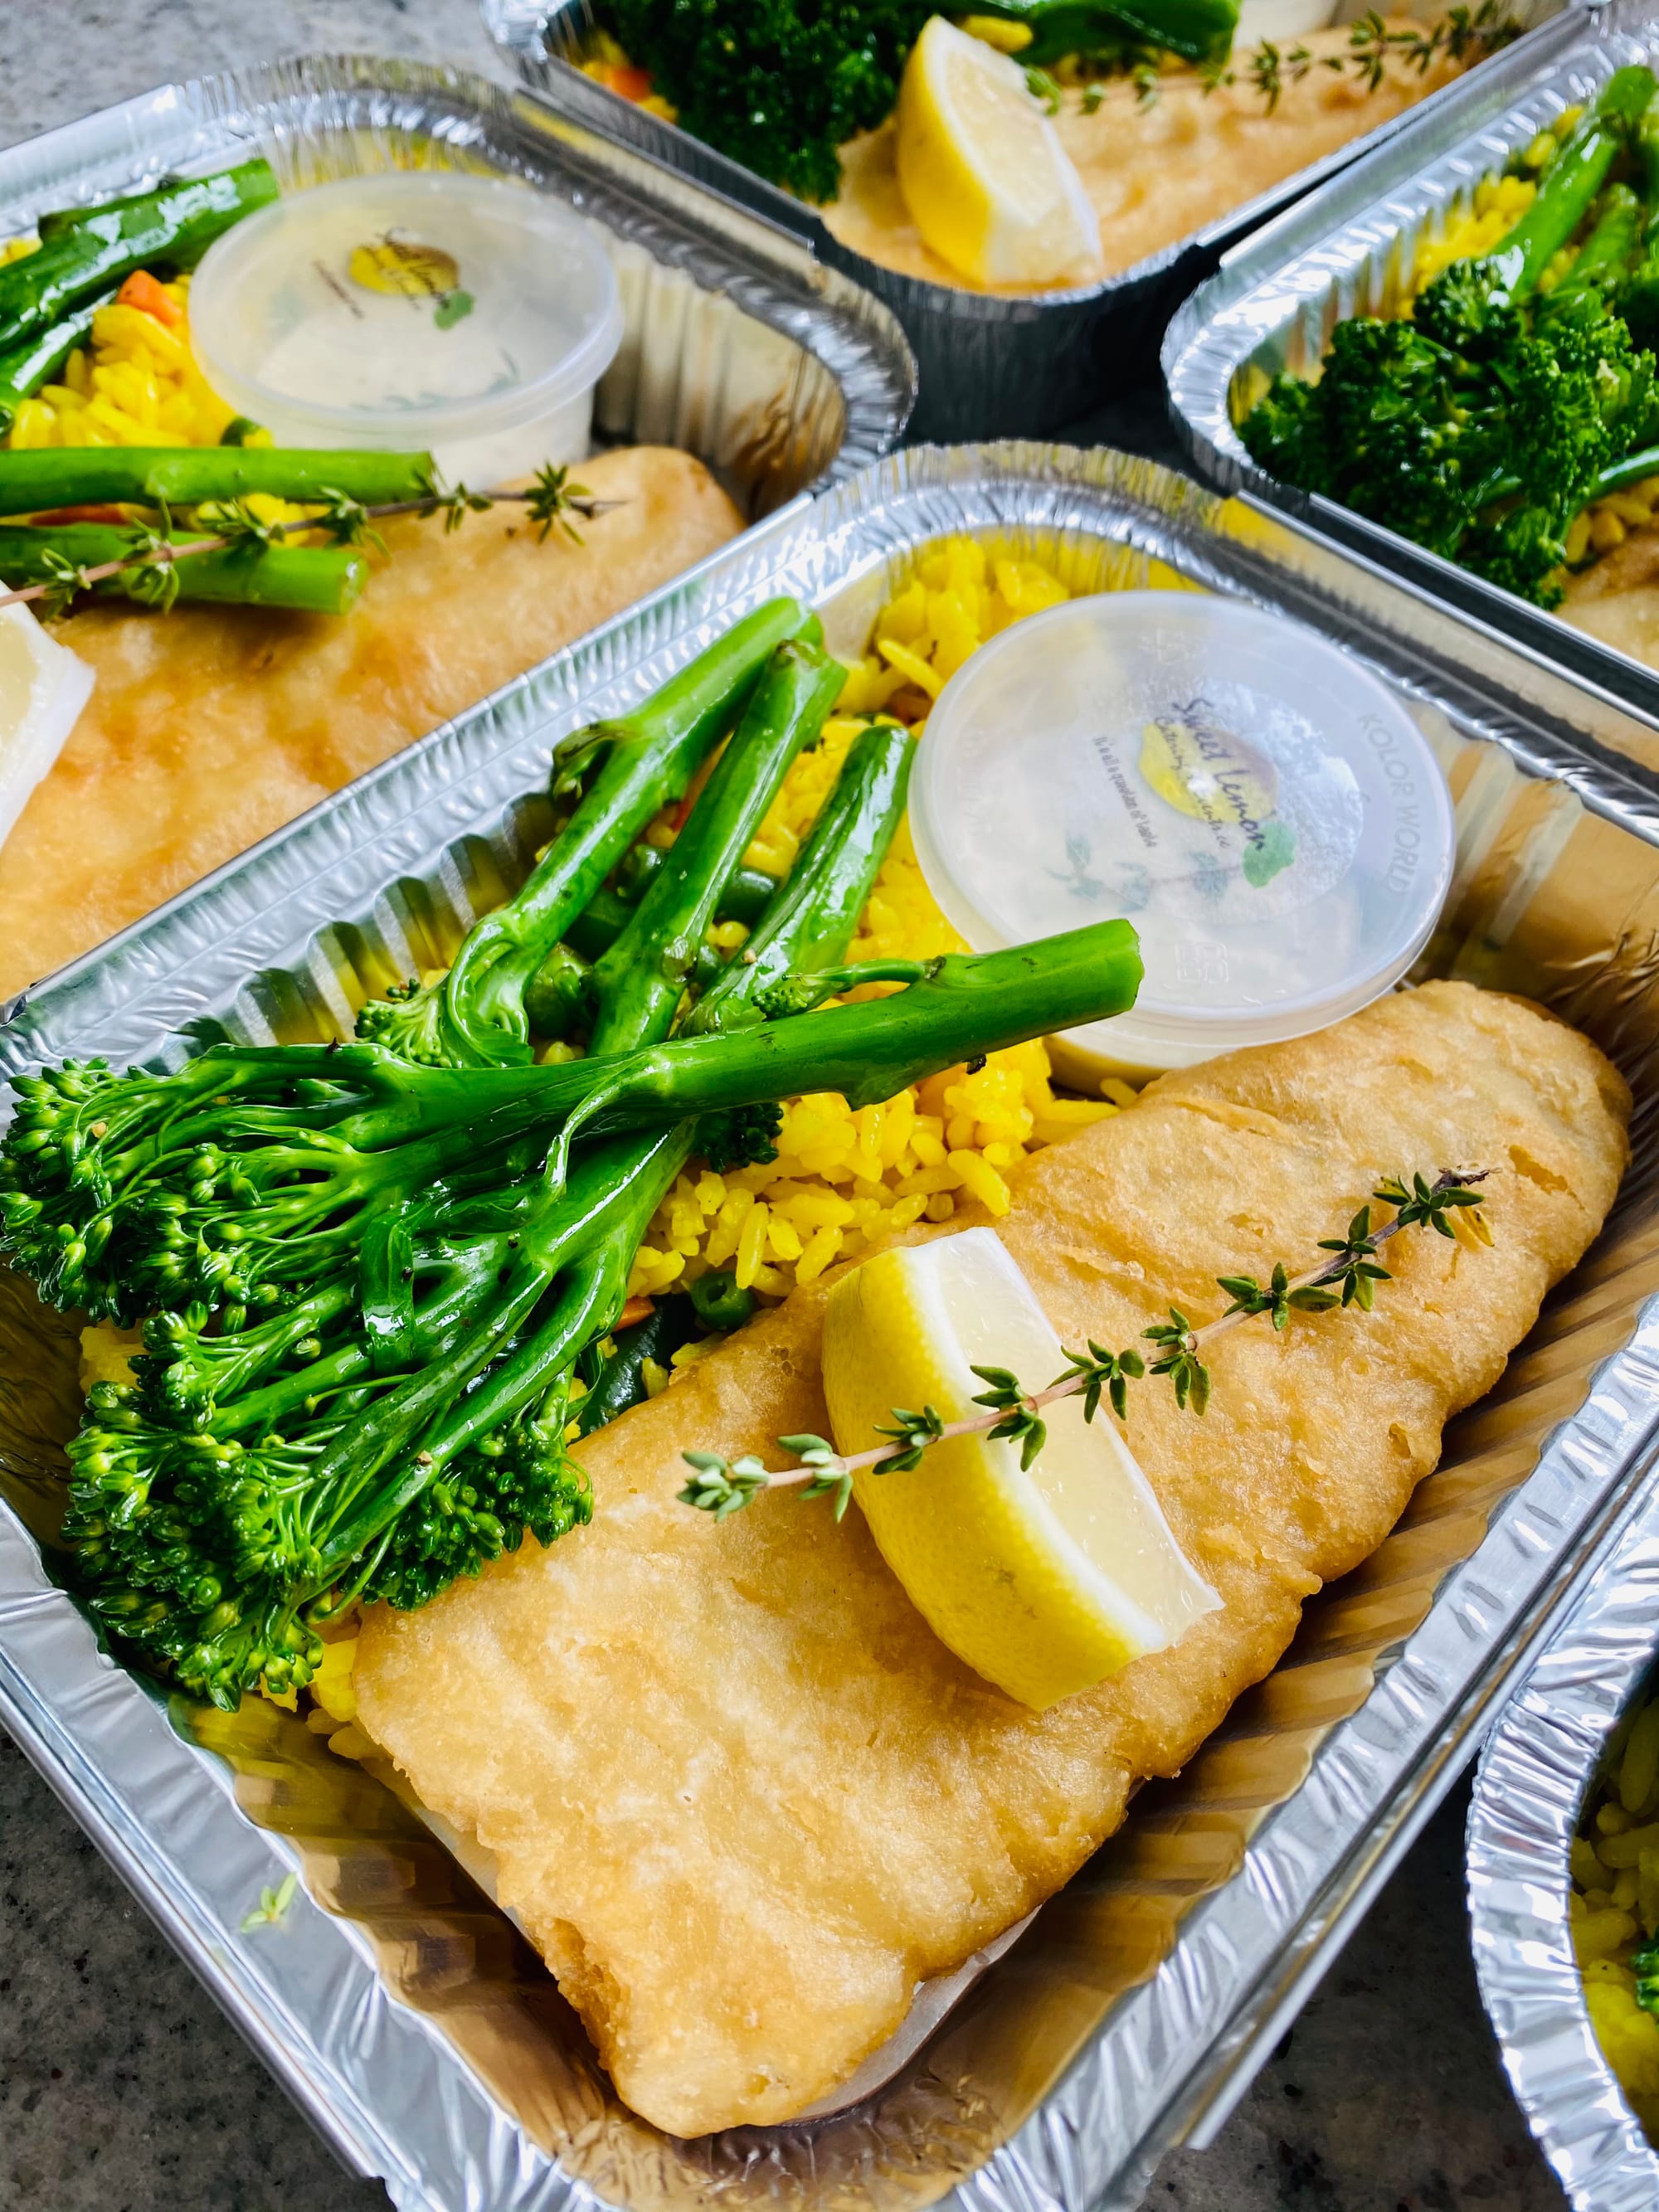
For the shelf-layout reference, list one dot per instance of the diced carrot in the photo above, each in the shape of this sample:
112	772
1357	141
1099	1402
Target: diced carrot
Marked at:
635	1309
632	83
142	291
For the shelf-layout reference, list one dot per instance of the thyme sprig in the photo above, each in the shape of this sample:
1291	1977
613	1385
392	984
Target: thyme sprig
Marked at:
1348	1278
550	501
1463	34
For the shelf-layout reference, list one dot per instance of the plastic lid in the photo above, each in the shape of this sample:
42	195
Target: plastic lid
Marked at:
404	310
1265	813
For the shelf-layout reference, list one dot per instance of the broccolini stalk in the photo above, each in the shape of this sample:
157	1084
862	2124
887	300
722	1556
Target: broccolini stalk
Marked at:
560	994
640	980
964	1005
811	922
476	1016
117	1193
1612	244
36	359
48	476
1473	302
324	580
173	226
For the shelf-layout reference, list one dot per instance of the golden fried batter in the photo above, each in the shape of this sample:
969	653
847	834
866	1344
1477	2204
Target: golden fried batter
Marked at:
212	726
740	1796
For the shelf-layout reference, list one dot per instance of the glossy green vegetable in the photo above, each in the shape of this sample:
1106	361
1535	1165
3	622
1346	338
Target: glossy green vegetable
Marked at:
183	476
324	580
90	252
640	980
626	769
36	359
719	1301
1480	427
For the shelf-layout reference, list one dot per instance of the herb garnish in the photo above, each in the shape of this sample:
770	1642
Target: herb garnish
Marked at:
1349	1278
152	554
1463	35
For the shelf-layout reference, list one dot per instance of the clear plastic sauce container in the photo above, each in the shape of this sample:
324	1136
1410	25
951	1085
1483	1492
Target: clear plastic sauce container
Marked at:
1264	811
409	311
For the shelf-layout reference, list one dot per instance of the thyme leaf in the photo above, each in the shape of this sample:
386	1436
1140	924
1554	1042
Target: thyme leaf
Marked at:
1014	1414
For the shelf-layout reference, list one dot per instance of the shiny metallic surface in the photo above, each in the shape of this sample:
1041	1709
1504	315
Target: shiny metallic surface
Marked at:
415	2027
1538	1765
991	365
1349	249
781	375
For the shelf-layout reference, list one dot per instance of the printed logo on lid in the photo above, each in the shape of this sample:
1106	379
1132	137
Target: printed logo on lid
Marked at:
403	268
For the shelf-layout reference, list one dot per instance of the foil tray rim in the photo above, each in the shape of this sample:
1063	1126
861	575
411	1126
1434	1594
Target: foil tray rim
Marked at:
1177	2048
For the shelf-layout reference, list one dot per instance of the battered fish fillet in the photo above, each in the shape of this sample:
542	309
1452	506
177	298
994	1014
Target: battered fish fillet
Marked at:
742	1798
210	728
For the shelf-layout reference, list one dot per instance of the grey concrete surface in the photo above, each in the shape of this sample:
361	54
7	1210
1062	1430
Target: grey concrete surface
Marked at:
124	2089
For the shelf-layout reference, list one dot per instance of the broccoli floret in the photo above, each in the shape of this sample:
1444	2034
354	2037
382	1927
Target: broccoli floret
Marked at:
410	1021
1285	433
745	1136
781	88
1485	460
1480	427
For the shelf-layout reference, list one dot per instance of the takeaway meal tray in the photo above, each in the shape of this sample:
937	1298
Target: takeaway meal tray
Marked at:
991	365
1349	249
426	2042
779	374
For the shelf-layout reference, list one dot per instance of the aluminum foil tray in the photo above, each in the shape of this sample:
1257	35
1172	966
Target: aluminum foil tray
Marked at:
1538	1766
778	373
1349	249
991	365
394	2000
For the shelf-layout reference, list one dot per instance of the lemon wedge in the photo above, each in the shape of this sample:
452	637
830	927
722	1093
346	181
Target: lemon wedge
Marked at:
43	688
1043	1581
982	171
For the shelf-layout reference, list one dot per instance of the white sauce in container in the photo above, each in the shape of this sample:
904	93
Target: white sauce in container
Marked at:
1263	811
412	310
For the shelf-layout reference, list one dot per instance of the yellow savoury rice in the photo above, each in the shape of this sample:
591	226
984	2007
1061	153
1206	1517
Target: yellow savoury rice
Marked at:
1614	1909
134	384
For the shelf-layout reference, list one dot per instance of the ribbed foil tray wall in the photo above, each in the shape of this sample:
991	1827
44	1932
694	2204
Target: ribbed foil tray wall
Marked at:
395	2002
991	363
1350	249
777	373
